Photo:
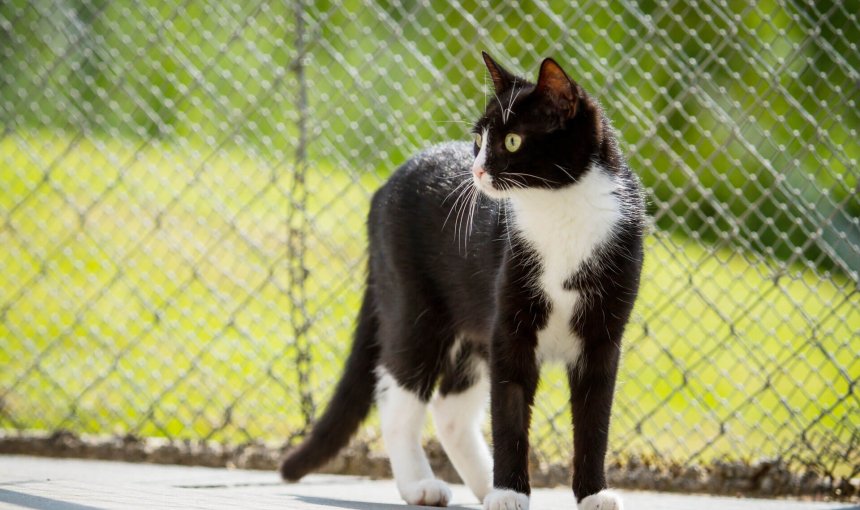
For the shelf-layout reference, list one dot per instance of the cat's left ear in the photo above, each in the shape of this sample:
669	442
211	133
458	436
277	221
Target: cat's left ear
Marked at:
502	79
554	84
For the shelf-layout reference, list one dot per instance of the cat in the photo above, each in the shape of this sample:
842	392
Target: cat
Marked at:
487	259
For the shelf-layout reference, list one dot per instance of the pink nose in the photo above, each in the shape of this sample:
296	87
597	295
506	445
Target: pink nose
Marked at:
478	171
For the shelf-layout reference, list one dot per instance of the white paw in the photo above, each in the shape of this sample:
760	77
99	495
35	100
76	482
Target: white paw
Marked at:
603	500
429	492
503	499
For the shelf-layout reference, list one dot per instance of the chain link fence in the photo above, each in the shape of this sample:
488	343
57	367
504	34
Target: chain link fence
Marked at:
183	187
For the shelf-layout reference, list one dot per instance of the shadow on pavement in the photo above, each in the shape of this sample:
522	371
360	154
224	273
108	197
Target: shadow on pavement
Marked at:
39	502
363	505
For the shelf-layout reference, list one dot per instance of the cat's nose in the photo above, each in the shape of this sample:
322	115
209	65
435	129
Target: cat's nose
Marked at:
478	171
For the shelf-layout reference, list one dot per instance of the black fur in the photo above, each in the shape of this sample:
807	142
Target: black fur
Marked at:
350	403
434	279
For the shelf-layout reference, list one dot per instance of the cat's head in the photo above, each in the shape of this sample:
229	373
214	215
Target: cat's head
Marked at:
534	135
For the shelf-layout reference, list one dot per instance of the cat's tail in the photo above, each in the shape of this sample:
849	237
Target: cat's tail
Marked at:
349	405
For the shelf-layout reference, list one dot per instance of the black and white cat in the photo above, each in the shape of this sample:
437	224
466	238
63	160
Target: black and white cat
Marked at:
537	259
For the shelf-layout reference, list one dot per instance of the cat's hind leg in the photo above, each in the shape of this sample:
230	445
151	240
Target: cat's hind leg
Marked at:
414	335
458	410
402	414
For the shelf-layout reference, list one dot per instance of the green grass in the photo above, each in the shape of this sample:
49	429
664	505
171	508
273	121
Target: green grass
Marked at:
148	290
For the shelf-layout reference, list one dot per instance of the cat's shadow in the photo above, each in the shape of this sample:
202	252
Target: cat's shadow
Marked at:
363	505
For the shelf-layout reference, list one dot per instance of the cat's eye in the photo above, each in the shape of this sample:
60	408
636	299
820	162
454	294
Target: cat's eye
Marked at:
513	142
478	139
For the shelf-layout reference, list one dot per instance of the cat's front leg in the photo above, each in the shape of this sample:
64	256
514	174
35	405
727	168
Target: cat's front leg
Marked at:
514	377
592	383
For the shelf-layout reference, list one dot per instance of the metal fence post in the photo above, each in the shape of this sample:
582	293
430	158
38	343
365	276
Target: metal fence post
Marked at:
297	225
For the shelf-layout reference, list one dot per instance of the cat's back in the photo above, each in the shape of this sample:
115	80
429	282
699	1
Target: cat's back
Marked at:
421	193
430	172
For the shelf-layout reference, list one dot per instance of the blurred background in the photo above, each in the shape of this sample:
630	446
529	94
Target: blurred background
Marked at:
184	184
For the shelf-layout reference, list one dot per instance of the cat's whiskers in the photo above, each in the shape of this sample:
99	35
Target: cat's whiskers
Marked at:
565	170
453	122
462	200
462	188
476	197
460	205
544	179
507	225
467	217
506	113
511	183
501	107
463	192
466	181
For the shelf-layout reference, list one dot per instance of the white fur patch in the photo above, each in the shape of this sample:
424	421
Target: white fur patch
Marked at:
603	500
564	227
458	420
402	415
481	158
504	499
485	183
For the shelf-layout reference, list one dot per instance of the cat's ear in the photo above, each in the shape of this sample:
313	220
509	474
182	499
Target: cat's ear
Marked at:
502	79
554	84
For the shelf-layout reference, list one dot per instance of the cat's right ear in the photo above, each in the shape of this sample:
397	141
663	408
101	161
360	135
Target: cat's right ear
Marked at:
554	84
502	79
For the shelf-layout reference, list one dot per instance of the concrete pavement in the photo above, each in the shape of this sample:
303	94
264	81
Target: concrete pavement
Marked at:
73	484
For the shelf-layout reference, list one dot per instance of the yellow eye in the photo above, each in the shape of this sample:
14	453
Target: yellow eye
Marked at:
513	142
478	139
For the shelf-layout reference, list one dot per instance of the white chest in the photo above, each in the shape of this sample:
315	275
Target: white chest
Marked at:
564	228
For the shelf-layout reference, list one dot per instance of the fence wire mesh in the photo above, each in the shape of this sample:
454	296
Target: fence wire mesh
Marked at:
184	187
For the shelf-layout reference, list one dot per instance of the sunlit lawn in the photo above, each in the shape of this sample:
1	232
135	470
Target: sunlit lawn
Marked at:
148	290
